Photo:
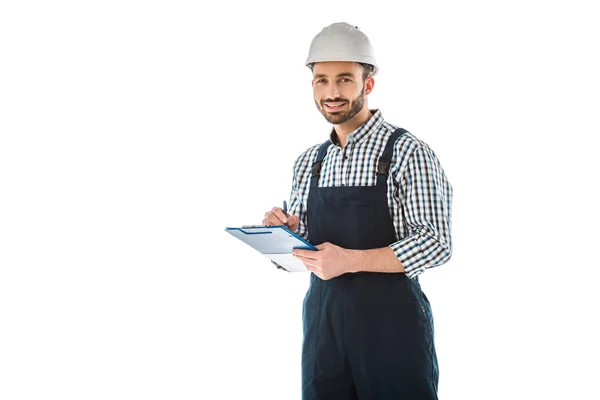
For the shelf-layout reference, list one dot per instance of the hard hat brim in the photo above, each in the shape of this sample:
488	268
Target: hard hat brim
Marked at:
343	58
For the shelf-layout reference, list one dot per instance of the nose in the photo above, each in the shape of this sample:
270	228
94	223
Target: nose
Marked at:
332	91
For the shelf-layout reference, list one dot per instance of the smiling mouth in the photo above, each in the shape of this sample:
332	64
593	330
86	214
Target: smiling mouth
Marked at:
334	106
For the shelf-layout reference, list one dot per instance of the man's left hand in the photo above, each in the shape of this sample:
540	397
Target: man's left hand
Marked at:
330	261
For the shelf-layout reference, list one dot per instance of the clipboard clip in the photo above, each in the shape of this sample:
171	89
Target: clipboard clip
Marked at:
279	266
256	229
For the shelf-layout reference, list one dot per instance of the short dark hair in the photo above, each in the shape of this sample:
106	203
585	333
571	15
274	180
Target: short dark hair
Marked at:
368	69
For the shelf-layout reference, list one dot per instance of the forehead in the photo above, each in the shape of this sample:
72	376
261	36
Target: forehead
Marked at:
332	68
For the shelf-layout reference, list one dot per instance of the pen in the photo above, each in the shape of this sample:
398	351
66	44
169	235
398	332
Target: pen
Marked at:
285	209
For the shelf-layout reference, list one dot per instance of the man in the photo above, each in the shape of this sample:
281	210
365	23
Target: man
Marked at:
375	201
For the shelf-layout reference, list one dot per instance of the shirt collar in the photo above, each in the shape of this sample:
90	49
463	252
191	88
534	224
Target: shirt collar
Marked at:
363	131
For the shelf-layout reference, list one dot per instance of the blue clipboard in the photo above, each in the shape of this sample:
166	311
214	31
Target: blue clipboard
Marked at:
276	243
276	239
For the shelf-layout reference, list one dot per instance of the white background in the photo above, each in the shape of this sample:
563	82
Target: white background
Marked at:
133	133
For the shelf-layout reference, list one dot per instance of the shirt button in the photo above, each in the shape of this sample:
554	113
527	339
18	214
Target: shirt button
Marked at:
345	157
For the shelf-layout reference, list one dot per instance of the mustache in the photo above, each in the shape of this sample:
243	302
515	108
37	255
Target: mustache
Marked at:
336	100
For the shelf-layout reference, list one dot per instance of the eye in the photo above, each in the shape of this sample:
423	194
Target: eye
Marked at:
345	80
319	81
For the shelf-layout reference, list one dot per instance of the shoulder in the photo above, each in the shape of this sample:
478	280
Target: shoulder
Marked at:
406	145
410	150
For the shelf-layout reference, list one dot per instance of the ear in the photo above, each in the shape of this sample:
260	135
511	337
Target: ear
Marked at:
369	84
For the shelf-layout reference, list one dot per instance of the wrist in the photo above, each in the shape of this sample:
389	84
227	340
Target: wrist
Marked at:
352	266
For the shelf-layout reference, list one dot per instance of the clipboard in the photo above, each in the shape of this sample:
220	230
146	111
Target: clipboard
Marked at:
275	242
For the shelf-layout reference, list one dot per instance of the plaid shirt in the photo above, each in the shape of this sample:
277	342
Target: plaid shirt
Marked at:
419	194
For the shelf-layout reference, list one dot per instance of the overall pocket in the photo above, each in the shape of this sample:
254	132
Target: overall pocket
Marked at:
348	227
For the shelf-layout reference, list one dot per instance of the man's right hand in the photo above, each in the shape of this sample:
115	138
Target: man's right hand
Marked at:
277	217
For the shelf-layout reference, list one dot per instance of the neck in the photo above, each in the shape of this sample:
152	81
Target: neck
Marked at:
343	130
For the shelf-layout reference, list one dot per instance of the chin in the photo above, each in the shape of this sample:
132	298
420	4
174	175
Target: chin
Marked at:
335	121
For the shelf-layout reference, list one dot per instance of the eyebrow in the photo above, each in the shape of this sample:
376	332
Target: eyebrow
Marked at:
349	74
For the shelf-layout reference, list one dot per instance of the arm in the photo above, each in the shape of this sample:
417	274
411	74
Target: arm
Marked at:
300	187
425	196
298	208
331	260
426	199
297	212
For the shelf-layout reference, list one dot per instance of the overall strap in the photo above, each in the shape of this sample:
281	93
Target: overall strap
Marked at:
383	167
316	167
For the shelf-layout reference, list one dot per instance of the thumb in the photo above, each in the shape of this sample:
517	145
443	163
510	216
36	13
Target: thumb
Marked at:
293	220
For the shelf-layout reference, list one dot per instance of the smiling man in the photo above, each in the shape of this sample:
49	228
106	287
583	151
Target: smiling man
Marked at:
376	202
331	100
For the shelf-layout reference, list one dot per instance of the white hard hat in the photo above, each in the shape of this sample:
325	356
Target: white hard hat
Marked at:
341	42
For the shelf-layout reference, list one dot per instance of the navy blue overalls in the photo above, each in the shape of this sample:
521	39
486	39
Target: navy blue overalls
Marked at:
367	335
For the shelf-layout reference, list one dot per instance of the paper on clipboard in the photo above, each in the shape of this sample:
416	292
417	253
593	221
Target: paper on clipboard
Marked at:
274	242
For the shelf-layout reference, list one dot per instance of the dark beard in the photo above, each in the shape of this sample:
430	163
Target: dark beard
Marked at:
340	117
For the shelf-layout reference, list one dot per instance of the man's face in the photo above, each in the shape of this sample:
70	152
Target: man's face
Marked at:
338	89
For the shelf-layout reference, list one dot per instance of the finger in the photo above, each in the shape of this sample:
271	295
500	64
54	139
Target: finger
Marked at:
305	254
315	271
310	265
271	219
312	268
293	221
315	265
313	261
278	212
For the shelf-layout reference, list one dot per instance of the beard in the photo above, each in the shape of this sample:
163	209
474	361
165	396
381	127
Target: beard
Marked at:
339	117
